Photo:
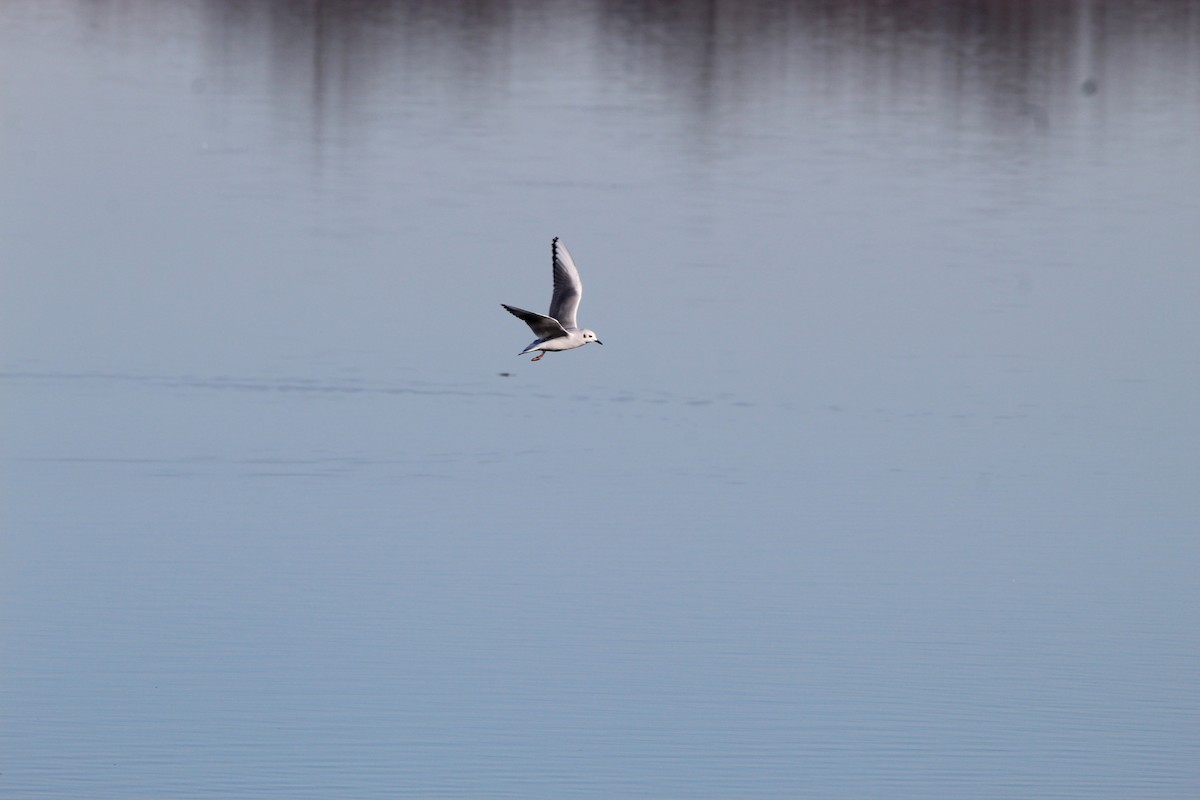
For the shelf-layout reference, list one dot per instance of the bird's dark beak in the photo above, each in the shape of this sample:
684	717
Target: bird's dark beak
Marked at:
599	342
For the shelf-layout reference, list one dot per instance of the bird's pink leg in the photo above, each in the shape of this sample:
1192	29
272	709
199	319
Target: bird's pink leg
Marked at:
538	357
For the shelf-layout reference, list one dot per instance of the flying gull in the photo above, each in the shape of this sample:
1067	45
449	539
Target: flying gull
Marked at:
558	330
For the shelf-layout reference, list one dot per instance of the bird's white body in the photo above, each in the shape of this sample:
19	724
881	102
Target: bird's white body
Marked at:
574	338
558	330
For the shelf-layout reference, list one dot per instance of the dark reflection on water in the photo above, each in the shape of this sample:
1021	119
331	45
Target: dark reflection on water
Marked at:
1014	62
1017	64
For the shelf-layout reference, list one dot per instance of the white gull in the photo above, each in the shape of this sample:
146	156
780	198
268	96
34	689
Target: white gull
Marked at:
558	330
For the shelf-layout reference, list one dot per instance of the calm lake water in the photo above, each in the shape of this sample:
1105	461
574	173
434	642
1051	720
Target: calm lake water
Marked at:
884	484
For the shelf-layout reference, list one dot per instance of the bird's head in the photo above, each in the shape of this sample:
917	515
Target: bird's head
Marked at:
589	336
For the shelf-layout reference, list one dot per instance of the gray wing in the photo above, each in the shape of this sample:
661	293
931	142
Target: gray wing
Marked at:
542	327
568	289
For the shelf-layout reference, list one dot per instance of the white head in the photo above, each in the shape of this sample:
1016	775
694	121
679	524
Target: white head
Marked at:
589	336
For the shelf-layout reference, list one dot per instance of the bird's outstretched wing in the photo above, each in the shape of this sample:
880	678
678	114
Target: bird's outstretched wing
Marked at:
542	326
568	289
